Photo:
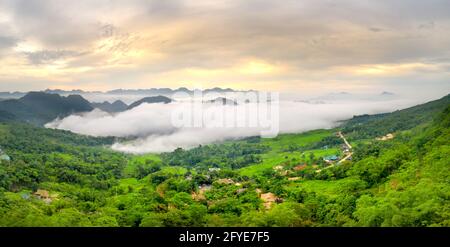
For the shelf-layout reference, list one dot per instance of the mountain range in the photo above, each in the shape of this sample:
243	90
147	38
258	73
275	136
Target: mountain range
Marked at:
146	92
116	106
40	107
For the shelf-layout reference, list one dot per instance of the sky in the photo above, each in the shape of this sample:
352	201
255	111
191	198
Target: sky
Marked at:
287	46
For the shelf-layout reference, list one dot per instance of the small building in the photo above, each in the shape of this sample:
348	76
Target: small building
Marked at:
241	190
225	181
5	157
277	168
270	198
386	137
200	195
25	195
330	158
284	172
300	167
42	194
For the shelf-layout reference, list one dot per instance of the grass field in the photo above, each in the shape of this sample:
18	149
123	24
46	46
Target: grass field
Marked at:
277	155
327	188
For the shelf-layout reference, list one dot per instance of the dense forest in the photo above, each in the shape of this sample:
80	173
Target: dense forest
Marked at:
57	178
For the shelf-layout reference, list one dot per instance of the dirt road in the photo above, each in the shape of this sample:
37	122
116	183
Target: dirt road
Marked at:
347	156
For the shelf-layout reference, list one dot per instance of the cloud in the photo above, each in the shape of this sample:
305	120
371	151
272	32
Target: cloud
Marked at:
155	130
145	43
7	41
47	56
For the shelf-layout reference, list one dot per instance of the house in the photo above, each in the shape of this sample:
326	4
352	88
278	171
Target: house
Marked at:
277	168
386	137
284	173
5	157
204	187
300	167
225	181
25	195
241	190
330	158
42	194
258	191
270	198
200	195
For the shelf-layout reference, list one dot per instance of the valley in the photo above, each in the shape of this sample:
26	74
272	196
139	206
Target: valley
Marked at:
58	178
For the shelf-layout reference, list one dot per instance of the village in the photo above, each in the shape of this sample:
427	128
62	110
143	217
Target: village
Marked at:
269	198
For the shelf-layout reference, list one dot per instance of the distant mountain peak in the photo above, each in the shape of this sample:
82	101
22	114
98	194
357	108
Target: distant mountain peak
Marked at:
151	100
116	106
223	101
387	93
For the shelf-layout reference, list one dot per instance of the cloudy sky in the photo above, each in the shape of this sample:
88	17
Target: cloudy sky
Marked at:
306	46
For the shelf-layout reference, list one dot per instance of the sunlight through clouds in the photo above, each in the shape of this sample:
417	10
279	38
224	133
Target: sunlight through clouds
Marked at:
244	44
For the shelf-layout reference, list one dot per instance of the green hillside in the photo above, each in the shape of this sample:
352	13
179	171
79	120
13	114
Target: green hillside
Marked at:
369	126
57	178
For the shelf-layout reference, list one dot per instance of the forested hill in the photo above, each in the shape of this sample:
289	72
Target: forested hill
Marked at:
40	108
370	126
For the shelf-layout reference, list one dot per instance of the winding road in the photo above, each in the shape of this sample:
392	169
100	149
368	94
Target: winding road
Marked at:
348	146
349	154
345	140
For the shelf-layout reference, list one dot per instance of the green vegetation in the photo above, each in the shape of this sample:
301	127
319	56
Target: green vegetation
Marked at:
370	126
56	178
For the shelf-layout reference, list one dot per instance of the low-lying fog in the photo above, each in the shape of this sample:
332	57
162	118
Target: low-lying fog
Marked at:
160	127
